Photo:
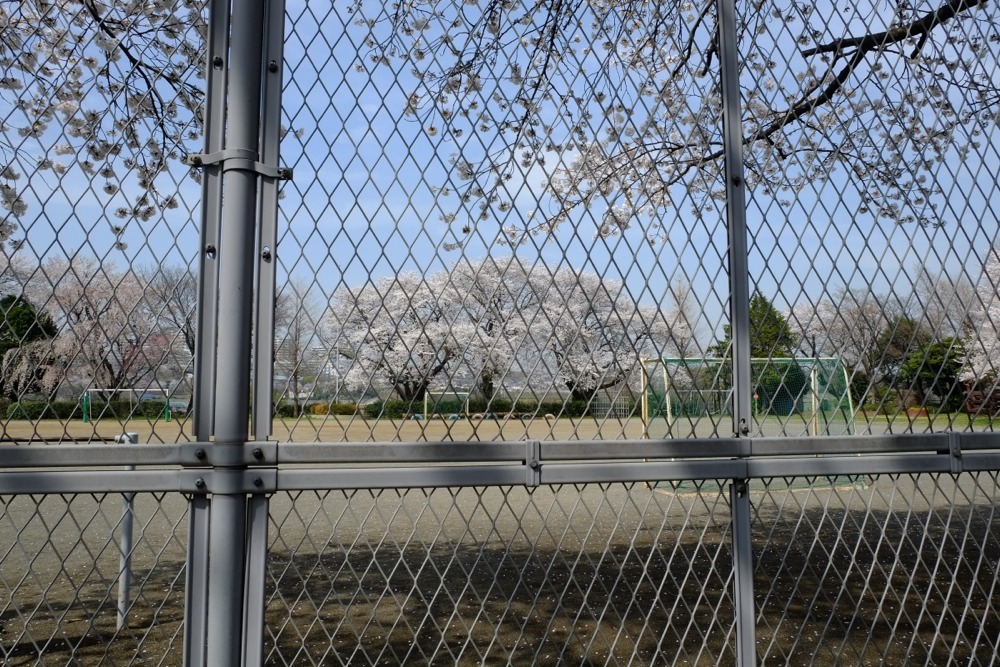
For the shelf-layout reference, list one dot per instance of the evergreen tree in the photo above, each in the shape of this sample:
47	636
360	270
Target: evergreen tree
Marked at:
770	333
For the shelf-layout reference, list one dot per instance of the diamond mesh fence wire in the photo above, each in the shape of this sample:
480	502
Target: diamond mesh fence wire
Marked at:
472	240
526	203
472	216
525	209
100	231
61	579
878	570
610	574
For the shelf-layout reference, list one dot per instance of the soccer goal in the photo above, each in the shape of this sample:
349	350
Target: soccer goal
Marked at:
446	404
99	403
791	396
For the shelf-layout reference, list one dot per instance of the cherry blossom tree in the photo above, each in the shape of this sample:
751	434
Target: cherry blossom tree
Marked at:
494	318
104	338
171	299
170	294
14	272
847	326
298	346
110	88
983	346
618	102
496	302
945	301
595	331
395	330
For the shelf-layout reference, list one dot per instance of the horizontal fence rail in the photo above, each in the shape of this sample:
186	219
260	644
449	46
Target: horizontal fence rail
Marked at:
499	333
537	462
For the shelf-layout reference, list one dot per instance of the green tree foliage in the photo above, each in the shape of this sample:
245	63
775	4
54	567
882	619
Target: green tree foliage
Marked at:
770	333
934	368
20	323
779	387
902	338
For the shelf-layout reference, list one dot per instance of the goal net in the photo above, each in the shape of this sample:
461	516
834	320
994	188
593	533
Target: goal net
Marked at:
791	397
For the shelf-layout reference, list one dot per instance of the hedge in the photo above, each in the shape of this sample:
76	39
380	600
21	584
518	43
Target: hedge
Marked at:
34	410
288	410
339	409
390	409
397	409
67	410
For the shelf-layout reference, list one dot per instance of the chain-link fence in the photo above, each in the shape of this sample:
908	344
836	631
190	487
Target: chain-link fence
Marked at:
474	333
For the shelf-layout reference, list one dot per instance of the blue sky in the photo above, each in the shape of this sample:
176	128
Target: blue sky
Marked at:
364	203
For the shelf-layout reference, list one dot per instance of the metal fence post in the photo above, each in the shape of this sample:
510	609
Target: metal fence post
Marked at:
743	595
739	271
211	212
125	542
739	303
236	292
270	140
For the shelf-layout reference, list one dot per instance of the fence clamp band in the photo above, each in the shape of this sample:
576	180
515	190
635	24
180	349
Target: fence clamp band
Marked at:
533	462
251	481
955	451
239	159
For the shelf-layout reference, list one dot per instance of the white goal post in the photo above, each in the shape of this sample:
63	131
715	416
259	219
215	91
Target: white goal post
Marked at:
107	396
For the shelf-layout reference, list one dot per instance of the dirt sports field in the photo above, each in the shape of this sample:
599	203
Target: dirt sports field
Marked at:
863	571
357	429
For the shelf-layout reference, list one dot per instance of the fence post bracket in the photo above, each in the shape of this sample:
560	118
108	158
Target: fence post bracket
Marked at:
239	159
533	462
955	452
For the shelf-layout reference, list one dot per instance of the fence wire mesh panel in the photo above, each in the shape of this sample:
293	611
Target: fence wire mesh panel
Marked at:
608	574
872	208
878	570
492	226
523	203
100	229
752	230
68	595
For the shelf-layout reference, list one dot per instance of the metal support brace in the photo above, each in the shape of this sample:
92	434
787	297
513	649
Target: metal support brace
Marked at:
229	455
256	578
746	615
739	298
230	481
533	462
196	583
269	141
125	543
206	332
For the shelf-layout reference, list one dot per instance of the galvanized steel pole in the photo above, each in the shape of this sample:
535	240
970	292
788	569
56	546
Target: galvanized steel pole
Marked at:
739	270
237	259
739	299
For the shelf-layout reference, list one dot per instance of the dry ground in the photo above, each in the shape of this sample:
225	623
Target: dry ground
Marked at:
357	429
890	571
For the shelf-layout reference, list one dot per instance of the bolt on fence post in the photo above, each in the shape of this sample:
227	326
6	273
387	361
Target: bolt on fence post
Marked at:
125	542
